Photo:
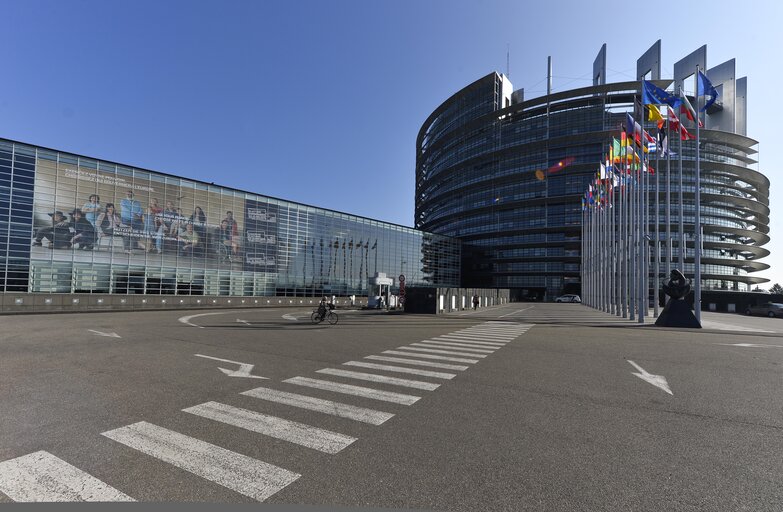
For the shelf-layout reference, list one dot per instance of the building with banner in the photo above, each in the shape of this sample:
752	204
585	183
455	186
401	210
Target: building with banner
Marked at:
506	175
70	224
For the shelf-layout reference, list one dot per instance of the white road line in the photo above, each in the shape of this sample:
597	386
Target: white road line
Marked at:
40	476
402	369
451	339
245	475
515	312
430	364
749	345
720	326
434	344
385	396
456	344
351	412
486	337
474	334
298	433
186	319
289	316
434	351
383	379
429	356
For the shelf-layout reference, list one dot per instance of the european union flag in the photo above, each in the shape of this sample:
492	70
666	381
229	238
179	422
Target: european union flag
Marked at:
705	87
654	95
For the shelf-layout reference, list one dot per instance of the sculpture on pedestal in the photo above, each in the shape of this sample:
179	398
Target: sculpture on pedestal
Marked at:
677	312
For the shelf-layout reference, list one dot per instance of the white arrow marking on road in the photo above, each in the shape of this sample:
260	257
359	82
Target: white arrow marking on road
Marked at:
289	316
186	319
658	381
243	321
244	368
109	334
753	345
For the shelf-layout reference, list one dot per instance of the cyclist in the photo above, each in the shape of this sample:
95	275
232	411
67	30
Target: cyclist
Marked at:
322	309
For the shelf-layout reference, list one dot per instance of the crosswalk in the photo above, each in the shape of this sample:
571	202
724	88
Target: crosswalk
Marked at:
43	477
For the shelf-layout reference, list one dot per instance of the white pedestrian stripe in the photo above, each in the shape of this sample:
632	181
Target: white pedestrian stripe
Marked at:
472	339
468	349
431	356
383	379
351	412
488	344
42	477
298	433
245	475
402	369
385	396
481	336
434	351
474	332
430	364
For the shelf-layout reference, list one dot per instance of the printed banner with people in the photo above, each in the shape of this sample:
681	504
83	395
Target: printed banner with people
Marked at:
84	213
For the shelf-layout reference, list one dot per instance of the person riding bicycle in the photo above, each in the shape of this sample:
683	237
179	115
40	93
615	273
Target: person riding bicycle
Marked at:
323	308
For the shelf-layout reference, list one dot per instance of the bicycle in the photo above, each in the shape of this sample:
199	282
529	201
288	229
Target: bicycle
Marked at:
329	316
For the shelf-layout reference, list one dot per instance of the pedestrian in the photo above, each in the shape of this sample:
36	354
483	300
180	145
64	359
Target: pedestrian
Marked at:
475	302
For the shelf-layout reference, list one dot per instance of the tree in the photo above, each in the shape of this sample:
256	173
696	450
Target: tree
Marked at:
776	288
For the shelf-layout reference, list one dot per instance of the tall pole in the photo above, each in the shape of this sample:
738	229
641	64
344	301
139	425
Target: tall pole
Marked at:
668	199
631	232
697	223
642	242
657	245
681	245
623	237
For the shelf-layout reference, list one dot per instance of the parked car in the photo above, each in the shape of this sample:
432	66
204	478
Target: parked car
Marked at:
568	298
770	309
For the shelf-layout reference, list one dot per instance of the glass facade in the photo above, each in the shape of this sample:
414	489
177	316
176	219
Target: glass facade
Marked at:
507	178
71	224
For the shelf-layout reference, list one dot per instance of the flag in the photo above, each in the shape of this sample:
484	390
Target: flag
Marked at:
632	127
654	95
705	88
677	126
687	109
653	114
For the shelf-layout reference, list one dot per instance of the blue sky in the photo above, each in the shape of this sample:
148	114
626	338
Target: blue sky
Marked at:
320	102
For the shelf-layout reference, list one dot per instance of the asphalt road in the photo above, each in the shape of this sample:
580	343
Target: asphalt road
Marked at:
546	407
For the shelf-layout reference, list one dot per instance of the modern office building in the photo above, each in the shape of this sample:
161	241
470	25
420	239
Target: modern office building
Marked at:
71	224
506	174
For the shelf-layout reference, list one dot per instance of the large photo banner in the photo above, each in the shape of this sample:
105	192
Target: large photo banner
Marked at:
94	214
260	236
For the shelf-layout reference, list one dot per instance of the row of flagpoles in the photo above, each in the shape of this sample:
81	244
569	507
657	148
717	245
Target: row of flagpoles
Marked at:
620	235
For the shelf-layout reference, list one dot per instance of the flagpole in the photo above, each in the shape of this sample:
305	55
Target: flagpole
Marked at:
623	236
697	223
632	213
616	239
668	198
642	291
657	245
681	245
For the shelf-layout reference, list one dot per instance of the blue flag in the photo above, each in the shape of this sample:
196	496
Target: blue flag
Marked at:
705	87
654	95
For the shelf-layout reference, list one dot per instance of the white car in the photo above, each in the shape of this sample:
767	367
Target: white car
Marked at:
568	298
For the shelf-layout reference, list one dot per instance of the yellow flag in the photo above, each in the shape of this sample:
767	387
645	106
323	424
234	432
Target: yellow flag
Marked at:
653	114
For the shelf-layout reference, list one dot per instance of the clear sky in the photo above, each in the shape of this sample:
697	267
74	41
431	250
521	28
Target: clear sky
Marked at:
320	102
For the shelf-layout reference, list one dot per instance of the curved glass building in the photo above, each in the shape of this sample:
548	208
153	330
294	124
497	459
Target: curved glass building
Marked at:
506	176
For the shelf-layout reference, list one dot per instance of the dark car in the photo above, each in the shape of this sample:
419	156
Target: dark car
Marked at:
770	309
569	298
